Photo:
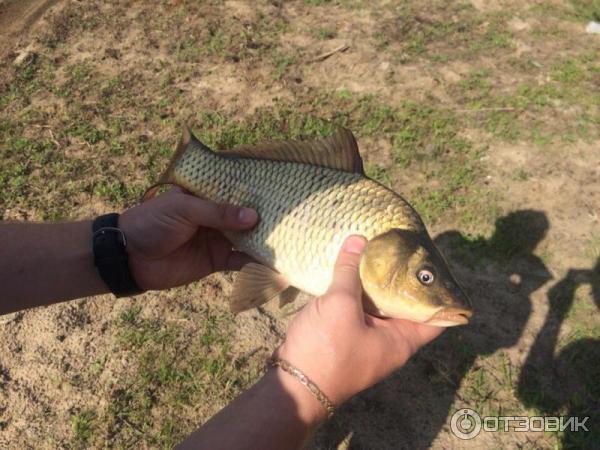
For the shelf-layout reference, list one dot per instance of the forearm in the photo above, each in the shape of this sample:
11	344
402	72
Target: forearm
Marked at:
41	264
276	413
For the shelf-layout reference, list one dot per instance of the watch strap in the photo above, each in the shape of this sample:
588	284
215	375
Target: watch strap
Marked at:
110	256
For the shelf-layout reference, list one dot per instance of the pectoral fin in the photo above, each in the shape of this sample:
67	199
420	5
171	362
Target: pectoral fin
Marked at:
256	284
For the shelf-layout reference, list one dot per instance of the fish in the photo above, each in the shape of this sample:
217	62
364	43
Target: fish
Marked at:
310	196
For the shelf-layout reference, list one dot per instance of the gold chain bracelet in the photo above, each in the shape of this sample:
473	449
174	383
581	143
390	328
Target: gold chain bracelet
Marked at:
312	387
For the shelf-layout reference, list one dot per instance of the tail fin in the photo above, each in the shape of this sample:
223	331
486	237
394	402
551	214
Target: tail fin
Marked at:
167	177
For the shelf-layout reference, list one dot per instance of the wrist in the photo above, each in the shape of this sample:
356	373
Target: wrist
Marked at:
308	408
78	257
321	371
111	256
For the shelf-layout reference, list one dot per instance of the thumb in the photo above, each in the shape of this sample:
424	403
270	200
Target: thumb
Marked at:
346	278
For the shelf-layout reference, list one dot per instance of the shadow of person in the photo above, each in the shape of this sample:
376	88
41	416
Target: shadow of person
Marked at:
567	384
409	409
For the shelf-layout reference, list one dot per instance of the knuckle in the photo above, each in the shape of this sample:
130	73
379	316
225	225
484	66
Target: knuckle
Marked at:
347	268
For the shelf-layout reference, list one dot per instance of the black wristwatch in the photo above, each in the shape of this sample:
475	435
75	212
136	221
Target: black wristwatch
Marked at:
110	256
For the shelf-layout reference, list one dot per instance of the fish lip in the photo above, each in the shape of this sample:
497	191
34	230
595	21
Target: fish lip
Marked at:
451	316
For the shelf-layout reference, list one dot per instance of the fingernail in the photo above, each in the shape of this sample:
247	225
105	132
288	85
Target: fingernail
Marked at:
247	215
355	244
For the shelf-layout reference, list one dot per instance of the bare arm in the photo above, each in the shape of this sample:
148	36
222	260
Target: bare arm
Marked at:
42	264
172	240
276	413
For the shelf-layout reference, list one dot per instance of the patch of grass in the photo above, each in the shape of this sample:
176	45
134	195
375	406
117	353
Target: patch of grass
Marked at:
592	248
83	426
229	38
176	366
130	315
587	9
495	36
380	174
432	203
567	71
80	72
425	132
439	31
282	123
98	365
325	33
282	62
513	113
86	131
28	69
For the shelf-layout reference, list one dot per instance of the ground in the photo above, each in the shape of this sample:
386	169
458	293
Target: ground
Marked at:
484	115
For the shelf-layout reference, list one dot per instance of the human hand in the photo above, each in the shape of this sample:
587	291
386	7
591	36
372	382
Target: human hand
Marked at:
175	239
338	346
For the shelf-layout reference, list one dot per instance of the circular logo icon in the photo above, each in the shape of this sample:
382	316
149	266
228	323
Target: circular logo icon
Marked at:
465	423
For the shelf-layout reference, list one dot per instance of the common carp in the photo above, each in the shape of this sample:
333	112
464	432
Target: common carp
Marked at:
310	196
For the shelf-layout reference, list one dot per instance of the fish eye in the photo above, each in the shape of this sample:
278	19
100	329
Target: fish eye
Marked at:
425	276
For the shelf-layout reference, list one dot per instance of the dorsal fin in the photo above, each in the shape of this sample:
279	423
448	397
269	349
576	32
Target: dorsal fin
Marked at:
338	151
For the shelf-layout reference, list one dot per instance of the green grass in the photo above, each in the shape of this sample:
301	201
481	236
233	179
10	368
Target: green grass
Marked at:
178	367
587	9
83	424
380	174
439	31
281	63
512	113
592	248
325	33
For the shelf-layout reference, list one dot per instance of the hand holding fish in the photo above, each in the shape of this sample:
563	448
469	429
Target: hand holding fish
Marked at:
176	238
339	347
336	346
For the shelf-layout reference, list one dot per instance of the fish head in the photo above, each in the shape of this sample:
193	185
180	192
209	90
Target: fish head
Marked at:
405	276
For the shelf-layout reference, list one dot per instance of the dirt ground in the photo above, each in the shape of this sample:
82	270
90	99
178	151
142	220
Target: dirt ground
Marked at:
484	115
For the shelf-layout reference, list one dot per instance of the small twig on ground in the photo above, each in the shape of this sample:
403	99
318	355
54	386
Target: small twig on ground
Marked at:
485	109
52	138
324	56
132	426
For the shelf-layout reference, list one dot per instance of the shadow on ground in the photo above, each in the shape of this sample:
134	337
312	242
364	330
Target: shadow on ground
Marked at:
410	409
567	384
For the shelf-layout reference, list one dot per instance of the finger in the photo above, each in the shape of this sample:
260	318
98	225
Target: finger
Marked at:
346	278
222	255
220	216
237	260
426	333
414	335
175	190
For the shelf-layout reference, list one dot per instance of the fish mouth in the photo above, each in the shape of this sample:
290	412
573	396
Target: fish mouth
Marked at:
450	317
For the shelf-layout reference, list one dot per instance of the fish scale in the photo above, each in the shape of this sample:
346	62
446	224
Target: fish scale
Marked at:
306	211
